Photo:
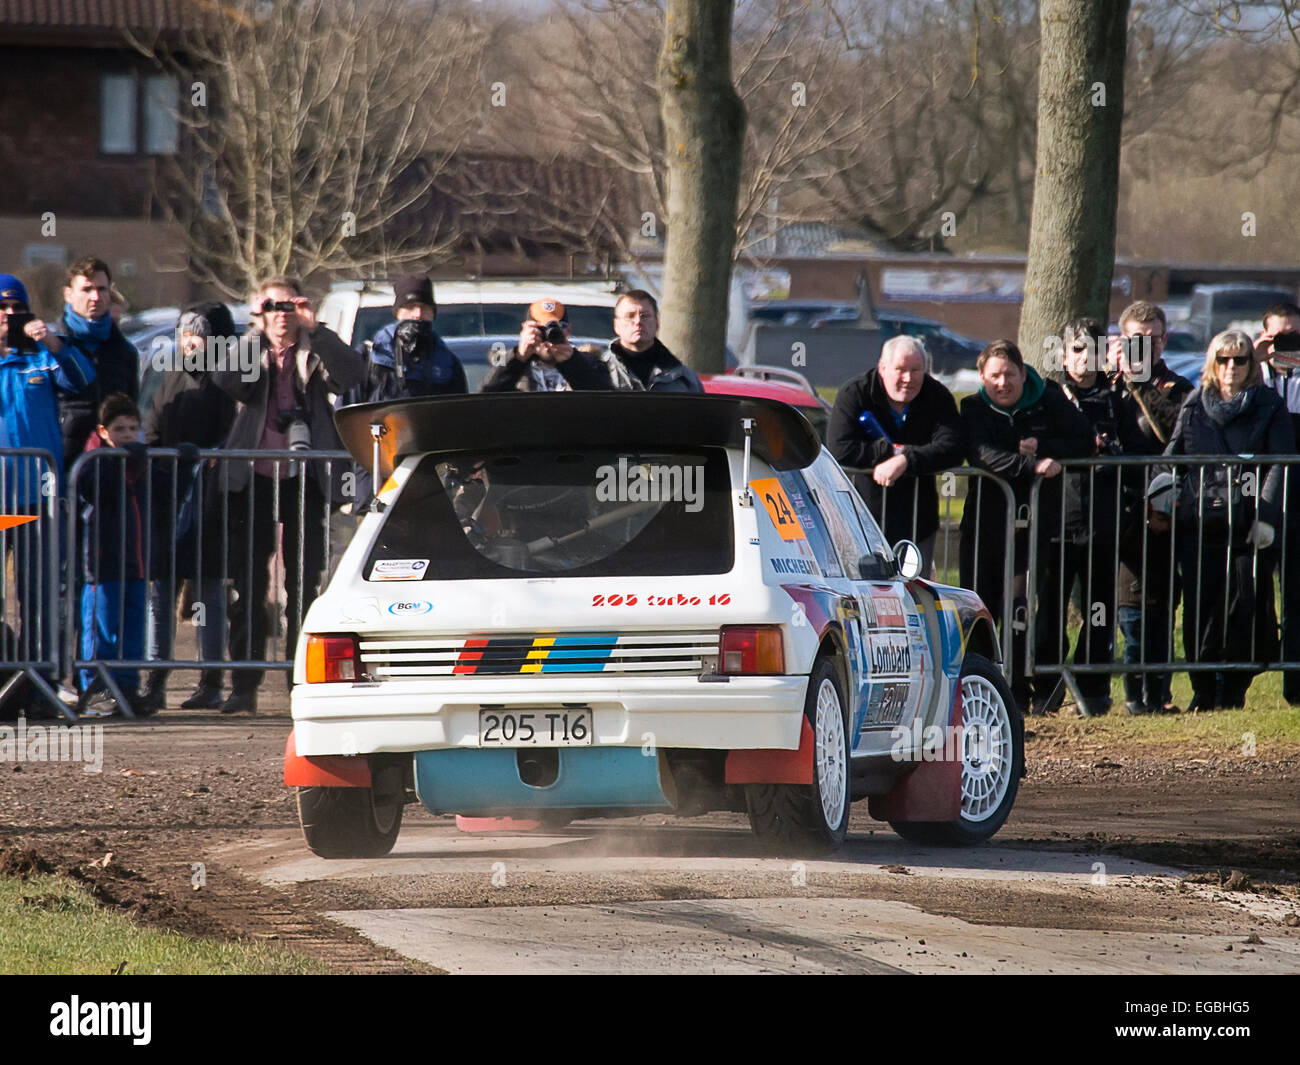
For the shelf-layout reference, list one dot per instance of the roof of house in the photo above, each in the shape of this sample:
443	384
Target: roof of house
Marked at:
92	16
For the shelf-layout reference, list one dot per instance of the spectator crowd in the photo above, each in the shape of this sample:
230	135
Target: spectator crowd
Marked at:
1125	543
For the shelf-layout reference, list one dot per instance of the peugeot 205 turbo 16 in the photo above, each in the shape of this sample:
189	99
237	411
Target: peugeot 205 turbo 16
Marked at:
584	604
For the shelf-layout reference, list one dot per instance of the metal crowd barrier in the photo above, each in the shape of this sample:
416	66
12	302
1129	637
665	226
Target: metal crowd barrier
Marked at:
992	566
142	525
29	574
1203	571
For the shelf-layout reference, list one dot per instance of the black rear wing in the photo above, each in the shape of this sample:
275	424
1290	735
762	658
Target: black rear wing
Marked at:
782	436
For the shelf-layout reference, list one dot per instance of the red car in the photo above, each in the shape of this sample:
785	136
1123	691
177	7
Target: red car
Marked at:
773	382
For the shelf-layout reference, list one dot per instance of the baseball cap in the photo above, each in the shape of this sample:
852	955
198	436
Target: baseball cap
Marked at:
413	288
1160	493
12	289
548	310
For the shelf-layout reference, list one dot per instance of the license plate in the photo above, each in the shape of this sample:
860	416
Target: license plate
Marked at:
562	727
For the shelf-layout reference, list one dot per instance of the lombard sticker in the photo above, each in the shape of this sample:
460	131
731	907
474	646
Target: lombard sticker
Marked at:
399	569
412	607
779	508
890	656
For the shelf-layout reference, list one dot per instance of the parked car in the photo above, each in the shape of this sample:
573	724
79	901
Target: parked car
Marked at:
1216	307
773	382
600	604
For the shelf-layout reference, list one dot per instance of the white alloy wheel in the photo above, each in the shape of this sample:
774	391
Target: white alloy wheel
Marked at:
987	748
832	767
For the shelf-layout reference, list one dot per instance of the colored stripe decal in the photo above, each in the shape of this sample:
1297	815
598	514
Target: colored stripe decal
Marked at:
468	660
575	654
541	648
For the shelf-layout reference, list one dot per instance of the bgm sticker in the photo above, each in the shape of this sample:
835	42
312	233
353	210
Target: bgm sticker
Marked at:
416	607
399	569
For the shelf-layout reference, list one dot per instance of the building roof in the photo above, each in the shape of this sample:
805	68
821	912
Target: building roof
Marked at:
91	16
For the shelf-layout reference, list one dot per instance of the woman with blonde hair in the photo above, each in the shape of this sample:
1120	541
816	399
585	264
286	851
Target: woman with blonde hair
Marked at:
1228	512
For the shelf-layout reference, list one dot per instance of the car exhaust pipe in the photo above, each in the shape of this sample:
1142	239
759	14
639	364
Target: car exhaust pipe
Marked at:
538	768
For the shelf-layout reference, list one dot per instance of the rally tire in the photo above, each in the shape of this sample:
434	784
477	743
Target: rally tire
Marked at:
347	822
992	763
810	818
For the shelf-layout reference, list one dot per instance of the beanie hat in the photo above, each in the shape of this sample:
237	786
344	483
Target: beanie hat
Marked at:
12	289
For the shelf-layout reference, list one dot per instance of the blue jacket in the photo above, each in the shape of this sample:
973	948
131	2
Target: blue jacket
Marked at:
29	411
440	375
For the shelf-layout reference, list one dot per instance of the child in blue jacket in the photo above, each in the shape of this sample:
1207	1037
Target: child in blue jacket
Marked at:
126	509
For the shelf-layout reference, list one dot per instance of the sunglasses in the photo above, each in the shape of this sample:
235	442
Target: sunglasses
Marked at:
1236	360
281	307
12	305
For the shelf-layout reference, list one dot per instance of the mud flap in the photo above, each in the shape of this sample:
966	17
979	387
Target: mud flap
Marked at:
931	791
325	770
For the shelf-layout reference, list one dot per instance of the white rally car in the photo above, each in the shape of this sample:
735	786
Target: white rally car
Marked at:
580	604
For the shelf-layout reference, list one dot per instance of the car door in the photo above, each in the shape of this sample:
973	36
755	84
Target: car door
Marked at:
897	663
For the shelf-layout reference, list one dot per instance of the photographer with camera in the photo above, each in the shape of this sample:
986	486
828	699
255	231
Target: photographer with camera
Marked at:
286	406
1084	533
35	367
545	361
1277	350
1144	381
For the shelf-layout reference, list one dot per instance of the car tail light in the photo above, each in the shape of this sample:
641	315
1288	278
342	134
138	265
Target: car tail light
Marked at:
333	658
751	649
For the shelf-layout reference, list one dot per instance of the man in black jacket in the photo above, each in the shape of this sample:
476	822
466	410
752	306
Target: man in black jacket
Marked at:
1017	426
87	323
545	361
648	364
1142	379
189	408
901	424
1085	534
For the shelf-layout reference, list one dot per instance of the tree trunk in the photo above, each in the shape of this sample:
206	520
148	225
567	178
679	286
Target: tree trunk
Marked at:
704	123
1076	187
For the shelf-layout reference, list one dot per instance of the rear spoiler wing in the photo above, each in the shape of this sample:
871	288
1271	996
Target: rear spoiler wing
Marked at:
782	437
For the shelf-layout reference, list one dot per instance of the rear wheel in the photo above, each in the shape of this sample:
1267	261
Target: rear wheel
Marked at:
810	817
349	822
993	758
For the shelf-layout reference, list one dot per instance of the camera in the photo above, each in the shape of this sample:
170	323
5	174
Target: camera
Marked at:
293	423
412	342
1286	351
553	333
15	337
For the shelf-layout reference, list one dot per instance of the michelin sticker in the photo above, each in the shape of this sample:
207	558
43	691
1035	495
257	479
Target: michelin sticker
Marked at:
399	569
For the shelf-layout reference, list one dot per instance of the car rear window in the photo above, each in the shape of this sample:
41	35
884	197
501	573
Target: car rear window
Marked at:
551	513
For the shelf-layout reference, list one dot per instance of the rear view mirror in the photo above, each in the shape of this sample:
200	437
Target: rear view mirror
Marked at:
908	557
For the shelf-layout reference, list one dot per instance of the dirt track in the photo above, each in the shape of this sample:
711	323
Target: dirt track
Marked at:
193	788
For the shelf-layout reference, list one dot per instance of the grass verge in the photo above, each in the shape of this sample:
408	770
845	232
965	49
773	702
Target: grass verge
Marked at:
49	925
1259	732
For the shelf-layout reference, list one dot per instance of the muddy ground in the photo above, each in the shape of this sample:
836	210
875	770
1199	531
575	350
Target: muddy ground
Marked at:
194	798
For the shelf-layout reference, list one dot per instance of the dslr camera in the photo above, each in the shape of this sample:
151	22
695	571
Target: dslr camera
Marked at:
16	338
412	344
293	423
553	333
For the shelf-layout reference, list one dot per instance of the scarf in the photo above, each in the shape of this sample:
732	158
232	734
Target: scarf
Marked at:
547	378
1222	411
94	329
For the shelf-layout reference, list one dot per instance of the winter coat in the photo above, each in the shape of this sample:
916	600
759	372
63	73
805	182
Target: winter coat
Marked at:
324	366
1223	498
1090	496
439	375
656	370
993	438
122	500
930	438
30	384
583	372
116	363
1155	404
